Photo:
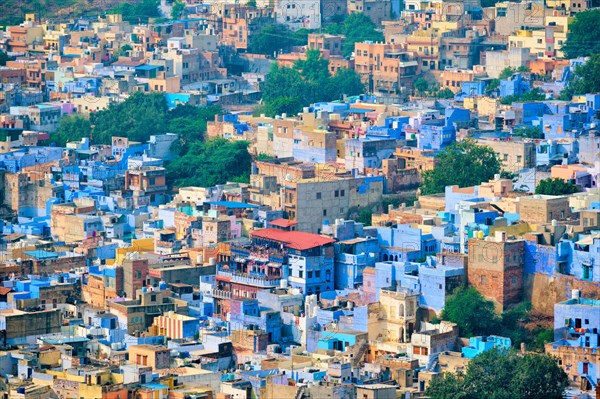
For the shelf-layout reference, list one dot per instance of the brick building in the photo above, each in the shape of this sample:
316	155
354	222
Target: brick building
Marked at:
496	269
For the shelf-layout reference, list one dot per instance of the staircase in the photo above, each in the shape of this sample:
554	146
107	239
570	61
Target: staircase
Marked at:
300	393
592	383
433	363
359	353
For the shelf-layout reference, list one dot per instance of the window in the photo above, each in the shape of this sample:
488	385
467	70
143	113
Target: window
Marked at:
153	297
310	274
513	281
336	193
324	212
318	195
317	274
342	193
483	280
300	273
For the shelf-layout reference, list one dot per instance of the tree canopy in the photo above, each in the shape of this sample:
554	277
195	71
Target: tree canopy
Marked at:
138	12
586	78
71	128
3	58
276	38
421	85
529	132
357	28
497	374
464	163
287	90
473	314
555	186
215	161
582	37
137	118
177	9
140	116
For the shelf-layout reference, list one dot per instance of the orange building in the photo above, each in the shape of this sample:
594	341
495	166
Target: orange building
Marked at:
386	68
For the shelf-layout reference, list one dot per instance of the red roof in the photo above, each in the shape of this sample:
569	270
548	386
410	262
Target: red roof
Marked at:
293	239
5	290
281	222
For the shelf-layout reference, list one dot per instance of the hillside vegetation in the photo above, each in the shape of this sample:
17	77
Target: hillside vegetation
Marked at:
12	12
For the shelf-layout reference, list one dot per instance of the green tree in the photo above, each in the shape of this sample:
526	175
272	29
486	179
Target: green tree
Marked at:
541	337
3	58
356	28
189	123
215	161
344	82
582	35
137	118
314	68
276	38
445	93
177	9
507	73
123	50
523	68
421	85
251	3
463	163
140	12
500	374
71	128
284	90
586	78
365	216
529	132
288	90
492	85
555	186
473	314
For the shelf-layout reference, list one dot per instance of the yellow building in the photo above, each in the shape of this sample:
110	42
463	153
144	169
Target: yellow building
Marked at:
544	41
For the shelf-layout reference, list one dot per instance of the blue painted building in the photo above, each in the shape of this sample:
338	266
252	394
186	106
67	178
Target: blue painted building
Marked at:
340	339
576	325
478	345
351	258
473	89
515	85
404	243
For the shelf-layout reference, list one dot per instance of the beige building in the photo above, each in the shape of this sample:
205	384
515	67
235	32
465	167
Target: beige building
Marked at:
328	197
157	357
397	316
74	221
544	208
514	155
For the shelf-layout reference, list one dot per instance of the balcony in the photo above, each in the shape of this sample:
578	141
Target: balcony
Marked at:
219	294
248	279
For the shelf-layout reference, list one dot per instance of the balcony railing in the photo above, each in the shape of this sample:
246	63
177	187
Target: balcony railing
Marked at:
248	279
